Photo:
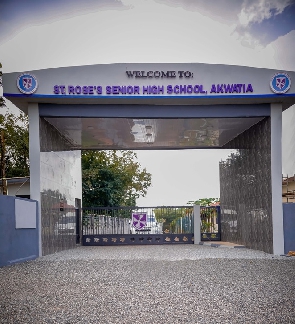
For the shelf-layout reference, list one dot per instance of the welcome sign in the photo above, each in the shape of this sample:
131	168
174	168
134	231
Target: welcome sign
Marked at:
154	80
191	88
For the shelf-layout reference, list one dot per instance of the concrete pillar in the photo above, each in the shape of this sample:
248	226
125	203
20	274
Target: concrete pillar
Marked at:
276	178
197	224
34	153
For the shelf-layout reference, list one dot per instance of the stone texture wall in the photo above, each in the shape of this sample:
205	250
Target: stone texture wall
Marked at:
245	189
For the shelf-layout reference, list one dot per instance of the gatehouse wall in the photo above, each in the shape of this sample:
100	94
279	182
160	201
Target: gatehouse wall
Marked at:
60	185
19	228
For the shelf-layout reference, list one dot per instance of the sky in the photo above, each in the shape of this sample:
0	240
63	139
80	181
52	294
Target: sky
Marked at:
41	34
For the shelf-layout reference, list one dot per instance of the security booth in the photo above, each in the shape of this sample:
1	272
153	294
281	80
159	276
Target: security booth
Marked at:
159	107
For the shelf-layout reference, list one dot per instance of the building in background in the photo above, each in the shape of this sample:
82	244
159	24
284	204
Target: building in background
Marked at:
18	187
288	189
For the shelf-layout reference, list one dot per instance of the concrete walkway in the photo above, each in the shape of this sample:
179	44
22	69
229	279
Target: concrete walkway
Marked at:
222	244
150	284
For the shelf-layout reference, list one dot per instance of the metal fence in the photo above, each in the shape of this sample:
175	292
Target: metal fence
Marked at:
210	223
118	220
147	225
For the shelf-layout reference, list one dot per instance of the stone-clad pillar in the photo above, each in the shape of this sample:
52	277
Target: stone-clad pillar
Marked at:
276	178
34	153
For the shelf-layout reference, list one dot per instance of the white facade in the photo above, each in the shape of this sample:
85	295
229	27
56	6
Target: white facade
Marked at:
288	142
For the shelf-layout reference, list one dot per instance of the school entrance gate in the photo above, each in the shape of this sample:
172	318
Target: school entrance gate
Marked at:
148	225
158	106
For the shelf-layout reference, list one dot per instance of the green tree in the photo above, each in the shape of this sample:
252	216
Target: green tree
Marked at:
113	178
203	201
14	145
208	215
169	216
2	148
1	98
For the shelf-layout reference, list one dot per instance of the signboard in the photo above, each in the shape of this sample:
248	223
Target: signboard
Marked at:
192	88
138	80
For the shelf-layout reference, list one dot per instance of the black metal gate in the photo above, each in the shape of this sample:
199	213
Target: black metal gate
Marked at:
210	223
159	225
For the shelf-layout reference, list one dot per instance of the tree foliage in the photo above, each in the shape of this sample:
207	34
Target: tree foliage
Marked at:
113	178
204	201
1	98
167	215
15	144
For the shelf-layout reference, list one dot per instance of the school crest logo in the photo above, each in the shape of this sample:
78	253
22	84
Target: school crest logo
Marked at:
139	220
280	83
27	83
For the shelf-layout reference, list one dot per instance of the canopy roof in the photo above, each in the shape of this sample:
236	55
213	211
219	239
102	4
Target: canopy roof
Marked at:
128	106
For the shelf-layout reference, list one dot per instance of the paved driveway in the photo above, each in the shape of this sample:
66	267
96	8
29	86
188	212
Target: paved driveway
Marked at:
150	284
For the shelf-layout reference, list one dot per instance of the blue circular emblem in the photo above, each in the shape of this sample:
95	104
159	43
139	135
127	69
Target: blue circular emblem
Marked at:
280	83
27	83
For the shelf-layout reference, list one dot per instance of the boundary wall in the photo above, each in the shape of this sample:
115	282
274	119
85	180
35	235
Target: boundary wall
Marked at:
289	226
18	230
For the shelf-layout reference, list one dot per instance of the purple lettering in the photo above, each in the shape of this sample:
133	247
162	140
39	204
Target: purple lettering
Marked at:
56	89
99	90
90	90
145	89
115	90
77	89
122	89
182	88
154	90
108	89
235	88
189	88
228	88
129	89
219	88
71	89
213	88
160	89
201	89
85	90
196	88
169	89
176	89
136	89
62	89
249	88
